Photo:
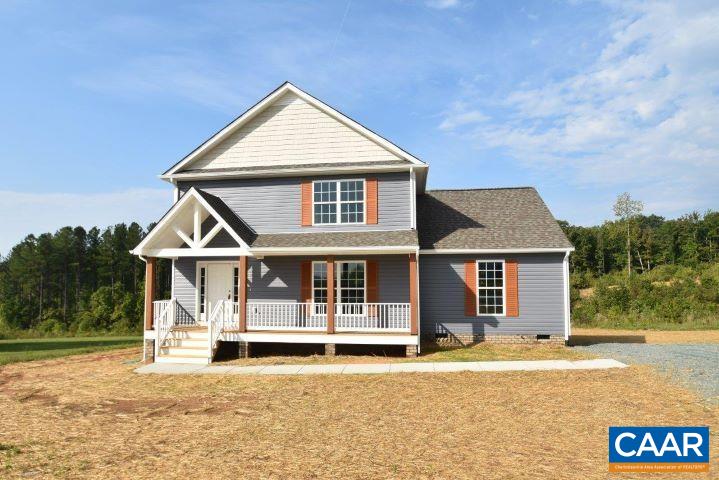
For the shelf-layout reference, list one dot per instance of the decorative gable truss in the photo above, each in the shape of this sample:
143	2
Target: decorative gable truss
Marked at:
180	231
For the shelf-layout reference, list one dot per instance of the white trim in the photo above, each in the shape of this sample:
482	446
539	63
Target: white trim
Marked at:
210	235
269	251
315	337
481	251
504	287
172	280
184	237
292	171
338	201
191	193
195	252
567	304
268	100
175	194
412	199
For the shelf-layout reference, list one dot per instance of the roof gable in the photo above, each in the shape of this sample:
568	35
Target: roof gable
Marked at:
181	226
290	128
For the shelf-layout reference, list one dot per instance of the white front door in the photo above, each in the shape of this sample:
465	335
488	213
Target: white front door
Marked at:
218	285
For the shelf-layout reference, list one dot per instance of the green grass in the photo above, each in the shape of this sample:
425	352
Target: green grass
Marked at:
25	350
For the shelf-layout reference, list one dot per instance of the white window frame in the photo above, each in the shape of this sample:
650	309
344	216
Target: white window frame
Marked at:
337	279
338	201
504	287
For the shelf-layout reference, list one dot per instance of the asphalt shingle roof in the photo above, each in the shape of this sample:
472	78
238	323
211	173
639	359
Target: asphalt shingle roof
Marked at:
395	238
237	224
498	218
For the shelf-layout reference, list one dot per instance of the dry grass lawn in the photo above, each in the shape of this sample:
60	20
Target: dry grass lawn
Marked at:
277	354
90	416
584	336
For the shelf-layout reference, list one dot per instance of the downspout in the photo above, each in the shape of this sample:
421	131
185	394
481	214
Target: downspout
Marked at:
567	304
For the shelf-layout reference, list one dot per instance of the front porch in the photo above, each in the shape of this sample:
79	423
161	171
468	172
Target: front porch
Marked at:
179	339
274	300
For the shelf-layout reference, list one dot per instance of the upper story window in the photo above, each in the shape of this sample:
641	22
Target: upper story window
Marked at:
338	201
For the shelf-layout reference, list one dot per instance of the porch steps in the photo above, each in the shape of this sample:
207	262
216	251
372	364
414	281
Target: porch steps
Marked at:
185	345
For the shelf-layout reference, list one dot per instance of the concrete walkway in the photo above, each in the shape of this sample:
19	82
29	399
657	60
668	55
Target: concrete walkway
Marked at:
373	368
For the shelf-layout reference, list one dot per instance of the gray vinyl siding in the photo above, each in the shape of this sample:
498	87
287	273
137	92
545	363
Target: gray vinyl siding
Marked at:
277	279
272	205
541	296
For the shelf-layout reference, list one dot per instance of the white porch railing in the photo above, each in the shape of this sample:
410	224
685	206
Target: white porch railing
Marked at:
163	319
349	317
287	316
219	320
372	317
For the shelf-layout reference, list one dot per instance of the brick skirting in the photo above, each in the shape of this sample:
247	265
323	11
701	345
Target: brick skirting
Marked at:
468	339
149	350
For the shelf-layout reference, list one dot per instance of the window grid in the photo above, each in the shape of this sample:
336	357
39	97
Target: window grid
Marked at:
351	277
345	208
490	287
202	290
235	285
352	288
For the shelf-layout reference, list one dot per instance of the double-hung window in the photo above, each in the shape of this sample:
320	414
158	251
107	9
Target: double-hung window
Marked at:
349	283
338	201
490	287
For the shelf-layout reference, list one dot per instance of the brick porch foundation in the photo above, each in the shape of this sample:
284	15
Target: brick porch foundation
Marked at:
411	351
244	349
148	354
462	339
330	349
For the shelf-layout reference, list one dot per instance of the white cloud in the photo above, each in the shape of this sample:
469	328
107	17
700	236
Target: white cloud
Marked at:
644	115
26	213
182	75
442	4
459	116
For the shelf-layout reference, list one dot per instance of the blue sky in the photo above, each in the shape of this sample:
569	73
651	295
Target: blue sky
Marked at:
583	100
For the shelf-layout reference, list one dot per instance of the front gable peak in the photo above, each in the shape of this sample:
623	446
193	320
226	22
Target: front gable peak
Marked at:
290	129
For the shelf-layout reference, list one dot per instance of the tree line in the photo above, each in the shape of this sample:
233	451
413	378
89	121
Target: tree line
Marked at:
689	240
83	281
77	281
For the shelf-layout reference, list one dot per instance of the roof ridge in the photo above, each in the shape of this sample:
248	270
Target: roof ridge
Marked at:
478	188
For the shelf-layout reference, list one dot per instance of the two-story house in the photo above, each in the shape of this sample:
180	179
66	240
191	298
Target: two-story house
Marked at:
296	224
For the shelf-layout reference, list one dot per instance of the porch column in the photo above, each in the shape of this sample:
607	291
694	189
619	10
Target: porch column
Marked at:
150	269
413	293
330	295
242	293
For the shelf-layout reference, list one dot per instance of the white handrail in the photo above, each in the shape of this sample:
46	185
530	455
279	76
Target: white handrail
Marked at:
218	321
164	316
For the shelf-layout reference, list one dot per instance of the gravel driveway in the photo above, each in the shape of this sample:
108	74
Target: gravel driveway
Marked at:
695	366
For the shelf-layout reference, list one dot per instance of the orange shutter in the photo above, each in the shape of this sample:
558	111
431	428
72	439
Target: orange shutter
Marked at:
306	187
371	185
512	291
372	282
306	281
470	288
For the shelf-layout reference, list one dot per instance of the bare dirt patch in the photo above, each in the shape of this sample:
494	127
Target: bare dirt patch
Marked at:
589	336
111	423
